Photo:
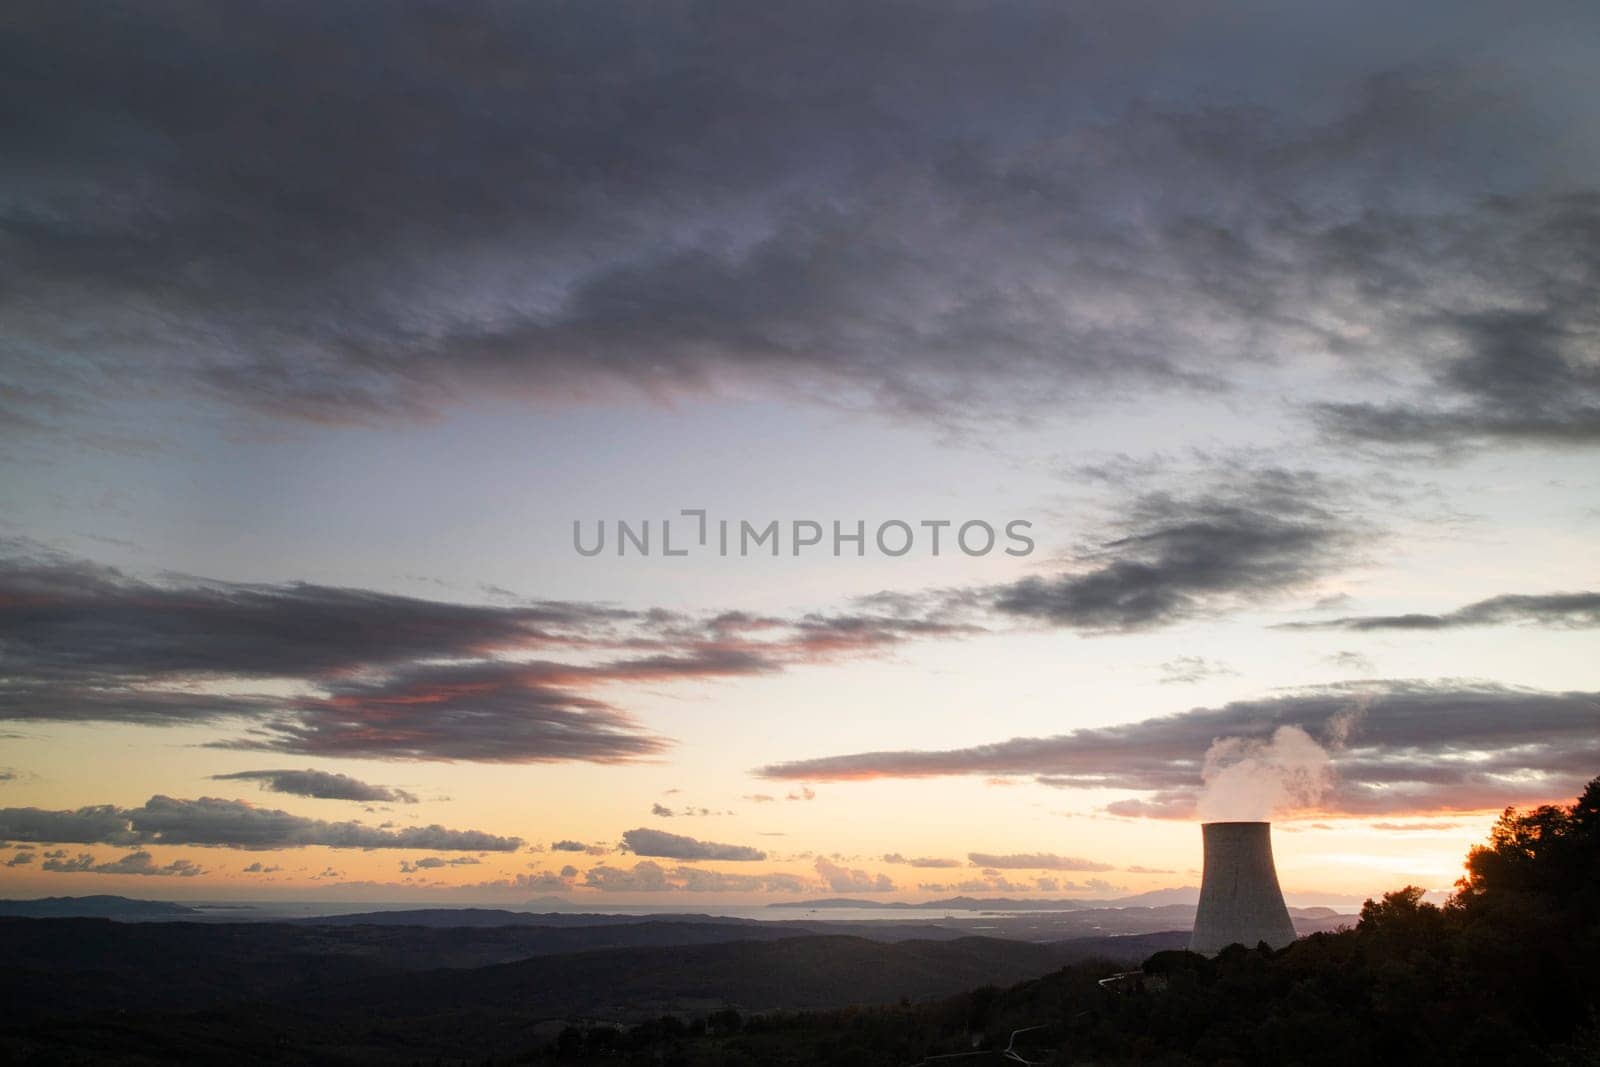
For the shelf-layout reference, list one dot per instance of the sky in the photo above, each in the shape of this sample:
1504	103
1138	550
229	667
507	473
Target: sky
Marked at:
1120	416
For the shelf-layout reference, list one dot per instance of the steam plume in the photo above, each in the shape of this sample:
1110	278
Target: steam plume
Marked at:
1246	780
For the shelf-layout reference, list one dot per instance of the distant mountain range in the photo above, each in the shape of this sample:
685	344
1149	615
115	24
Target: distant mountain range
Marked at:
1021	920
94	907
1188	894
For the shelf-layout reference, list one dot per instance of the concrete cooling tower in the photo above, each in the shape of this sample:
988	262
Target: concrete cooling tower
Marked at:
1239	896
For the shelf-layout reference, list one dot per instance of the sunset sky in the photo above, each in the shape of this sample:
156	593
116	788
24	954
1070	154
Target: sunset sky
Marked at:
321	325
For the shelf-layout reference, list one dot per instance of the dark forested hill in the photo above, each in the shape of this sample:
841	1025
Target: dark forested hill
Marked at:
183	966
265	992
803	972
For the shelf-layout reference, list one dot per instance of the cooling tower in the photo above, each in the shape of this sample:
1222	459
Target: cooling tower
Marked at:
1239	896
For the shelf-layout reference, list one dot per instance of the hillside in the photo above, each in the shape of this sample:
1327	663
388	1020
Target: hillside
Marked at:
253	993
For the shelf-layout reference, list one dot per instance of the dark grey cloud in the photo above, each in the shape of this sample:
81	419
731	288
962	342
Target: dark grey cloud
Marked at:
74	620
1518	367
211	821
490	711
569	845
1259	535
81	642
1415	747
926	209
1035	861
97	824
140	862
324	785
658	843
1572	611
384	677
57	698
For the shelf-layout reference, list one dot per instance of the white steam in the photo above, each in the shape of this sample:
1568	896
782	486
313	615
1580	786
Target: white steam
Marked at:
1249	779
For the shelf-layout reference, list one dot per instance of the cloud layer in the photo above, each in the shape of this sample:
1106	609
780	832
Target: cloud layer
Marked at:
212	821
1025	205
647	842
647	876
1415	747
138	863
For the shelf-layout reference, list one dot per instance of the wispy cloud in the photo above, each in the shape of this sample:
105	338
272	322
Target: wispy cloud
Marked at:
569	845
434	863
1035	861
920	861
1258	535
1572	611
323	785
1186	670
